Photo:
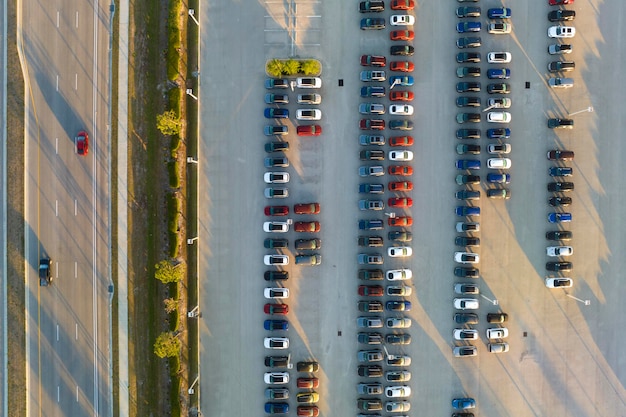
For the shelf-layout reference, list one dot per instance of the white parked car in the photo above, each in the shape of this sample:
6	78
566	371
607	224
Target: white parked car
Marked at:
309	114
276	177
499	28
398	323
466	303
561	82
466	257
496	148
465	334
401	109
276	293
498	347
499	117
399	274
276	343
276	260
560	250
276	378
498	163
467	227
401	156
402	20
398	392
308	82
276	227
499	57
309	98
561	31
497	333
559	282
399	251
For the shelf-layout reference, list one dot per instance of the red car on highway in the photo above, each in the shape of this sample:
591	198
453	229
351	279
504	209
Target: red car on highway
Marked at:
401	96
400	202
82	143
401	170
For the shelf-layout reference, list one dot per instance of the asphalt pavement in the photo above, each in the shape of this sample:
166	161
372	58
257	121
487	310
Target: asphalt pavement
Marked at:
564	355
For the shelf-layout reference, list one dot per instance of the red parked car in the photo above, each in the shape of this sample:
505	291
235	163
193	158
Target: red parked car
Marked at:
372	124
401	35
271	308
309	383
307	227
400	202
401	141
400	186
309	130
401	170
371	290
308	411
276	210
373	61
403	4
559	2
402	66
400	221
82	143
306	208
401	96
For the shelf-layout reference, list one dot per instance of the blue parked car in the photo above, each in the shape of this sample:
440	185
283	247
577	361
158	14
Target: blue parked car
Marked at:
276	408
499	133
498	178
463	403
467	211
374	224
398	306
276	325
560	171
371	188
373	91
464	27
402	80
276	113
499	73
559	217
499	13
467	164
369	23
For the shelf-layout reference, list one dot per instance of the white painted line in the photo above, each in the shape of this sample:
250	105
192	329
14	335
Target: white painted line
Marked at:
58	394
75	207
76	331
76	19
57	332
56	208
56	270
58	18
75	81
76	393
57	82
56	145
75	269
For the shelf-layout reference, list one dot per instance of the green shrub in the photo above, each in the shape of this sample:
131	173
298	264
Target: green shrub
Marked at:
310	67
172	168
275	68
292	67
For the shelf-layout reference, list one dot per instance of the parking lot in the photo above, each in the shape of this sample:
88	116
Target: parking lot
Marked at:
564	357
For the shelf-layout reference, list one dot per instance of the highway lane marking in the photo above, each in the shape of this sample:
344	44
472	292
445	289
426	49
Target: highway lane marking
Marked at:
75	269
57	82
76	331
75	81
56	208
58	394
75	210
58	19
57	332
56	145
76	393
76	19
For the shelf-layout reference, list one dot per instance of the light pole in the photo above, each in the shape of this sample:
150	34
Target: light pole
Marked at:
191	160
195	312
191	240
191	391
395	82
585	302
192	12
391	215
494	302
189	92
588	109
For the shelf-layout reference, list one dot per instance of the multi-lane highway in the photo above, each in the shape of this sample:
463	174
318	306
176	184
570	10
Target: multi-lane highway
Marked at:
65	52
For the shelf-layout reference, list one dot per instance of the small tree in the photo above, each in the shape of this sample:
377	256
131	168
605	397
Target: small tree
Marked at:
170	305
166	272
169	123
275	68
292	67
167	345
310	67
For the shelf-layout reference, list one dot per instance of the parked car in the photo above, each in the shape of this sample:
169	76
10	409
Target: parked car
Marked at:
463	351
498	163
397	306
558	235
466	318
309	130
370	339
467	241
559	266
371	188
276	113
561	82
467	86
371	108
466	257
306	208
400	221
560	187
366	140
369	6
372	24
370	259
497	317
465	27
464	149
499	28
277	393
499	133
499	193
397	376
370	241
276	177
497	333
559	282
400	186
467	179
309	260
499	57
276	342
468	134
462	288
399	291
499	73
372	224
402	20
372	124
271	98
401	170
398	322
307	397
401	50
373	61
281	309
468	42
499	13
467	211
561	66
467	227
560	155
372	170
401	109
498	148
276	293
402	4
560	123
463	57
308	383
308	244
401	66
309	98
373	91
462	72
468	102
561	32
559	217
400	202
276	275
276	147
499	102
277	161
499	88
556	251
276	378
276	325
465	334
371	290
560	48
468	11
498	178
400	236
400	125
271	130
465	272
467	195
370	371
468	118
466	303
401	35
498	347
369	389
271	243
398	95
372	76
276	227
371	205
276	83
372	155
400	155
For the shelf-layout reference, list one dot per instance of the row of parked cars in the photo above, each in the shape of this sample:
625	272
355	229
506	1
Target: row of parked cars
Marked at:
385	375
277	395
561	33
466	293
560	174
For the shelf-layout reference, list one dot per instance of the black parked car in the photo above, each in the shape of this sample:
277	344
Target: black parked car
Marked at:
561	15
276	147
466	318
558	235
467	241
466	272
560	123
560	186
400	236
402	50
466	86
276	275
560	201
271	243
559	266
468	134
463	57
561	66
468	101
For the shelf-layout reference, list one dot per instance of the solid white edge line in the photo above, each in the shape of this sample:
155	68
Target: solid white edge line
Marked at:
5	335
